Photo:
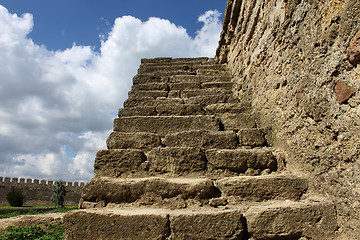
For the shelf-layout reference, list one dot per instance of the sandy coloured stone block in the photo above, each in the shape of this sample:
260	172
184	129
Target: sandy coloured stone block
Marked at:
198	78
251	137
128	190
147	93
150	86
184	85
237	121
232	108
239	160
115	162
207	225
210	99
204	92
116	225
163	125
202	139
139	140
148	101
177	160
292	220
180	109
137	111
221	85
261	188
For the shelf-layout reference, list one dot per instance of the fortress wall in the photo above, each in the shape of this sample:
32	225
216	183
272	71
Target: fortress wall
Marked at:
38	192
297	62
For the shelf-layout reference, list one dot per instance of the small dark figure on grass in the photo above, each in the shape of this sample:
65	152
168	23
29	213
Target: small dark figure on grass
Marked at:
58	197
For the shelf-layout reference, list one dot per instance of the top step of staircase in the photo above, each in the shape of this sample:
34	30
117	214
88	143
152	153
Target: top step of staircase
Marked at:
168	60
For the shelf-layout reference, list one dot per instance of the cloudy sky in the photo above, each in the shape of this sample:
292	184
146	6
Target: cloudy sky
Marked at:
66	68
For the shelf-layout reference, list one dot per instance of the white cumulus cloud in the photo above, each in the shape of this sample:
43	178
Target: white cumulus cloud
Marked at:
57	107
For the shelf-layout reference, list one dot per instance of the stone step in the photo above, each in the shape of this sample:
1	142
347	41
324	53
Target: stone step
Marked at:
169	60
250	161
184	86
202	100
151	86
162	110
137	111
149	79
128	190
205	92
199	78
222	85
236	122
148	93
279	220
177	160
181	67
206	100
168	74
293	220
180	159
115	162
148	101
252	137
216	139
263	188
202	139
163	125
212	71
230	108
179	109
139	140
144	224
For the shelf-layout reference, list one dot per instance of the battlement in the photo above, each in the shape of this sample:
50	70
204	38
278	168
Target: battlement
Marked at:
39	191
16	180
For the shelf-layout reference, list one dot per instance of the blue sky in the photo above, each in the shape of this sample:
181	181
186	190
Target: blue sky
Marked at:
66	68
59	24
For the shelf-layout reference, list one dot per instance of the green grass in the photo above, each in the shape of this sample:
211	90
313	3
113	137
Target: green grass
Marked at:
34	232
46	232
8	211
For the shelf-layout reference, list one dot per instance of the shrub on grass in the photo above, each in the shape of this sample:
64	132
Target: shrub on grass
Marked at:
15	198
59	192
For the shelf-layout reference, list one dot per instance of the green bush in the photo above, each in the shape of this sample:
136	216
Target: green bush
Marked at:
59	193
15	198
52	232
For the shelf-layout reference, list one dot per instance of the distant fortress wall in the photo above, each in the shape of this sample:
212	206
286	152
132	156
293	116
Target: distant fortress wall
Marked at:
38	192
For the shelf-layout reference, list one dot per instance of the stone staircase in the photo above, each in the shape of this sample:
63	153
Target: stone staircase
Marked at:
187	161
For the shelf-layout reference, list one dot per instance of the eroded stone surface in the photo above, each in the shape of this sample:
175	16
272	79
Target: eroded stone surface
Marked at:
116	225
292	220
251	137
128	190
180	109
177	160
286	58
137	111
113	163
139	140
202	139
165	124
240	160
237	121
207	225
260	188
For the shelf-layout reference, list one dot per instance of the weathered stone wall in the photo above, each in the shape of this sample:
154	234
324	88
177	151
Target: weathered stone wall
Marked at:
297	62
38	192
